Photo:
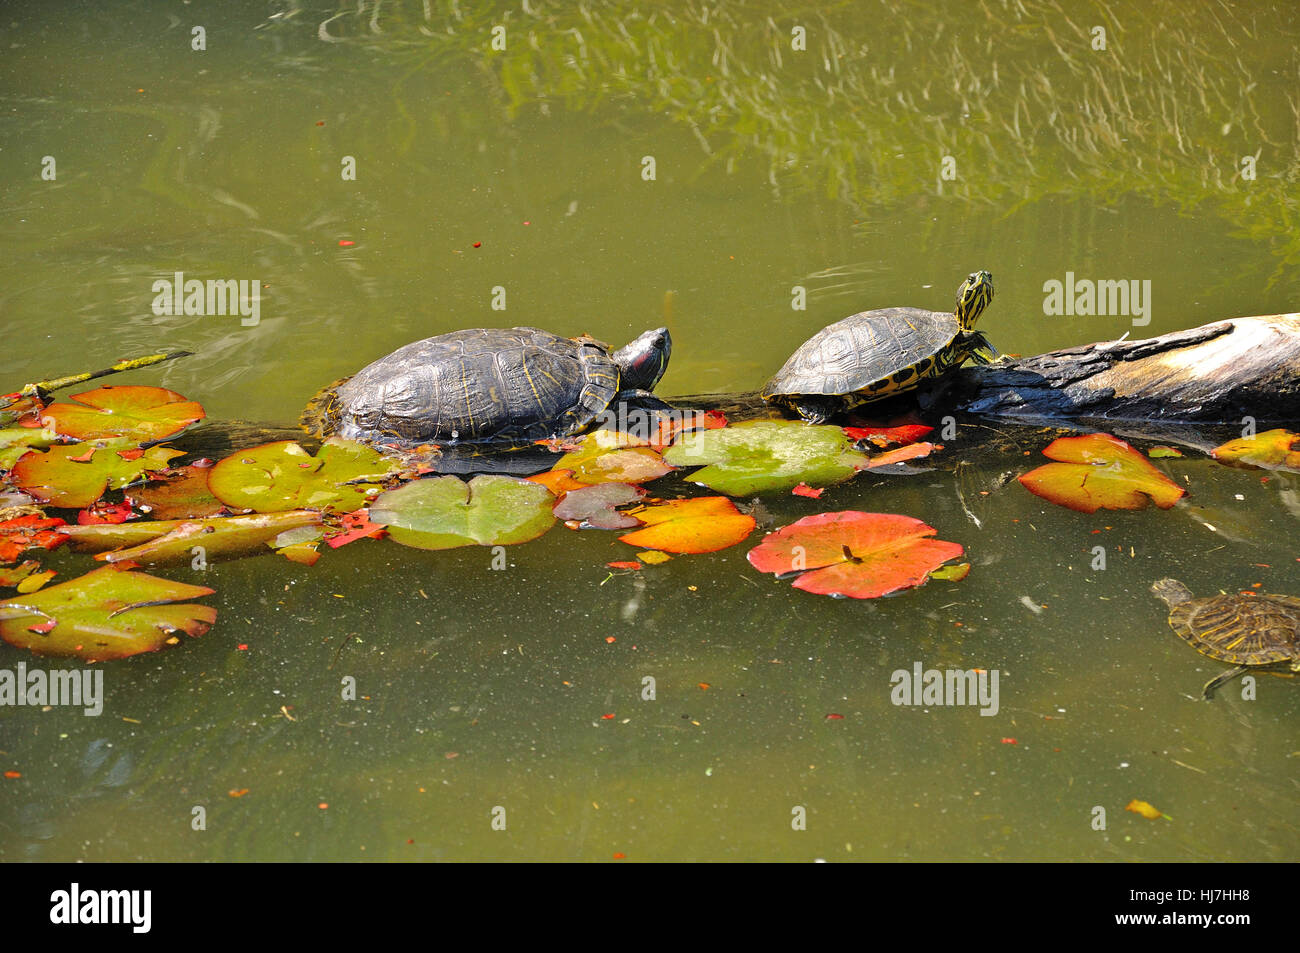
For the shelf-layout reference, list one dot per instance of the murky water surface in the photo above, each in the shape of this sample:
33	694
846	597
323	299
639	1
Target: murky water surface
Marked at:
908	144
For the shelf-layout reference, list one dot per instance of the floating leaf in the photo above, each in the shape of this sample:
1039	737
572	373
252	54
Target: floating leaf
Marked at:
803	489
701	525
1096	471
623	565
1272	450
1144	809
26	532
854	554
101	512
13	575
610	457
952	573
653	557
36	580
182	494
593	506
767	455
558	482
106	614
16	441
356	525
903	430
445	512
683	421
1156	453
140	414
912	451
344	475
218	536
75	476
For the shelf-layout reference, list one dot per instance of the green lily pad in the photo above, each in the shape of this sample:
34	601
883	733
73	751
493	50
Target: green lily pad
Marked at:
138	413
173	541
764	456
106	614
344	475
76	475
445	512
16	441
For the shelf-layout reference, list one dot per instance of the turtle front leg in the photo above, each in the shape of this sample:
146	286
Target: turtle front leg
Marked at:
1208	691
818	408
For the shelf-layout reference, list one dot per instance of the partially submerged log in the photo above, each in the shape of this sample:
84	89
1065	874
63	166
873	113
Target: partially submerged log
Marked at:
1217	373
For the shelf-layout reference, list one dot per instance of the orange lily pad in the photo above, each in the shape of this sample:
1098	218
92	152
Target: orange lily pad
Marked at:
74	476
705	524
1099	471
1272	450
140	414
106	614
558	482
854	554
912	451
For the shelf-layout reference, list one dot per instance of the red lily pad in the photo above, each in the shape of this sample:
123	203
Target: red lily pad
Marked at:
356	525
106	614
446	512
704	524
141	414
27	532
1272	450
594	506
803	489
344	475
909	428
101	512
74	476
1099	471
854	554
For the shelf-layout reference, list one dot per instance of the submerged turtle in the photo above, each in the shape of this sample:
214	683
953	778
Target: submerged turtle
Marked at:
877	354
488	384
1249	631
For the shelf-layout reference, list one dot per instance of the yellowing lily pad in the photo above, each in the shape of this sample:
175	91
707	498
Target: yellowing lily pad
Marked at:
854	554
218	536
445	512
344	475
612	457
76	475
701	525
765	456
1100	471
106	614
1272	450
140	414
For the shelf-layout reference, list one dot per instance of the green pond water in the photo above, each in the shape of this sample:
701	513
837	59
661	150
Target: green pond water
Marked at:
908	144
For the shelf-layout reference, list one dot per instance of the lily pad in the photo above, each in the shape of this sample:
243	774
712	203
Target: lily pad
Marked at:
1100	471
74	476
344	475
27	532
908	428
911	451
1272	450
182	493
764	456
854	554
705	524
607	456
139	414
106	614
218	536
445	512
16	441
594	506
558	482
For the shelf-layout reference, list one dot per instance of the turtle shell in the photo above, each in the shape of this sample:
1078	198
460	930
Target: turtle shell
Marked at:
1245	630
482	384
871	354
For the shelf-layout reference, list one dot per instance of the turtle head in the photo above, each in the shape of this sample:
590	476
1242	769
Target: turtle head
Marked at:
973	297
1173	592
644	361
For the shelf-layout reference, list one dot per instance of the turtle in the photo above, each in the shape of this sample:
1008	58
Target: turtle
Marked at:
877	354
1250	631
488	385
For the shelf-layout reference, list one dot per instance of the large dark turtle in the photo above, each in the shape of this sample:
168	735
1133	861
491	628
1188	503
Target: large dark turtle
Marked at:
1250	631
876	354
488	384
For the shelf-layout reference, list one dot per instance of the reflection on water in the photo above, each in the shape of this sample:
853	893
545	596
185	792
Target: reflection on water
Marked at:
775	168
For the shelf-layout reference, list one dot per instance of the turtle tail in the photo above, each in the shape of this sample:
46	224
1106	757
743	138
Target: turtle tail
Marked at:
320	417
